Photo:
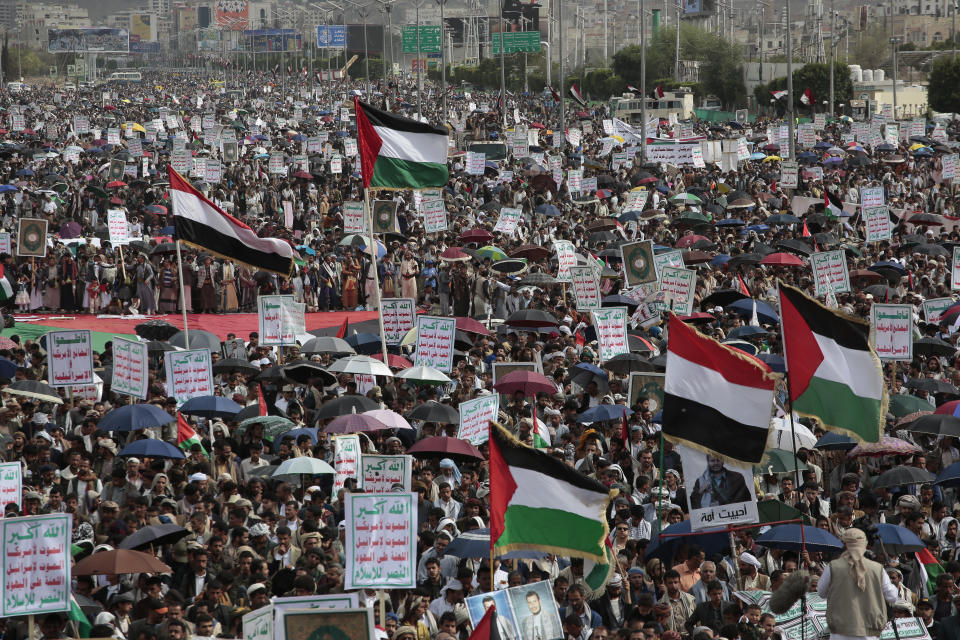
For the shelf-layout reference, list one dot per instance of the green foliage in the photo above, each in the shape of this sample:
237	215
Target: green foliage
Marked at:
816	77
871	47
601	84
943	92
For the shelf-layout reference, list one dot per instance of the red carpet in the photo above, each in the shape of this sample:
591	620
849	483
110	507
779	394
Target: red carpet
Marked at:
240	324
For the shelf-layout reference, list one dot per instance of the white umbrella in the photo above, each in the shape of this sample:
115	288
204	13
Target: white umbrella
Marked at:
390	418
303	466
362	365
779	437
427	375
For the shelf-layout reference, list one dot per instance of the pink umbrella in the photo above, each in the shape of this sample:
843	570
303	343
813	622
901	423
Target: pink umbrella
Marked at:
888	446
476	235
454	254
390	418
354	423
446	447
689	240
529	382
783	260
472	326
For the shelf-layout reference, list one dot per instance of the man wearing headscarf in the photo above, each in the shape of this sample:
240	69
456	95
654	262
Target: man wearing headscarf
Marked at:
855	589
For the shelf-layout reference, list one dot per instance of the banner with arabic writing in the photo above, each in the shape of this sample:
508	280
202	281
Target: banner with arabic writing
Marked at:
280	319
611	326
130	368
189	374
11	483
380	541
891	331
380	473
475	418
435	342
721	494
69	358
36	564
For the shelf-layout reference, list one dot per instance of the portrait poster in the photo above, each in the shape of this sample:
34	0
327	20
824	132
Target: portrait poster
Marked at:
324	624
638	262
719	493
32	237
649	386
536	611
506	622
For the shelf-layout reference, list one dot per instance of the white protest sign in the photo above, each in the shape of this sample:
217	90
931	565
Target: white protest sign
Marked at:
636	200
117	227
871	197
877	222
435	342
434	216
281	319
11	483
891	331
830	272
475	163
934	308
380	472
130	368
668	259
586	288
678	286
36	564
955	270
380	541
399	316
611	327
69	358
346	460
789	174
566	257
189	374
475	418
508	220
6	243
948	166
353	219
258	624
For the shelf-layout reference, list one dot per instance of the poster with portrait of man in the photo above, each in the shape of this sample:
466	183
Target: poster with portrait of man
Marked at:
230	152
536	611
719	493
638	262
506	624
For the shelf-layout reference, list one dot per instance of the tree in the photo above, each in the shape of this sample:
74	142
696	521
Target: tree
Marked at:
872	47
943	91
814	76
5	57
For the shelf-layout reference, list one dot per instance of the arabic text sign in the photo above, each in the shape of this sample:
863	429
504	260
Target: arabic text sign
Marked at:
380	541
508	220
130	368
189	374
70	356
871	197
36	564
668	259
435	342
830	272
934	308
679	285
586	288
281	319
611	326
731	503
380	473
475	418
955	269
789	174
258	624
434	216
346	460
353	219
399	316
475	163
117	226
566	257
892	331
877	220
11	483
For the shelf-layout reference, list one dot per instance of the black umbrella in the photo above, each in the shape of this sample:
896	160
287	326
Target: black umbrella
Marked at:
931	250
627	363
584	375
531	318
933	347
303	370
795	246
272	374
156	330
902	476
344	405
931	386
155	346
602	236
153	535
938	424
235	365
164	248
743	259
881	291
199	339
722	298
432	411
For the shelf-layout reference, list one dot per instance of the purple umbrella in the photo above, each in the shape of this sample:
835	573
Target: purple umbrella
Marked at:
70	230
354	423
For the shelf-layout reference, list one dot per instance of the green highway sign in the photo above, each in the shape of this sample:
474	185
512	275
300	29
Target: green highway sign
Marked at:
429	38
517	41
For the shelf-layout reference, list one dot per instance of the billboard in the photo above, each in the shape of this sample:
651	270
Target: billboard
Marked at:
374	38
141	27
186	18
233	15
332	36
88	39
693	8
267	40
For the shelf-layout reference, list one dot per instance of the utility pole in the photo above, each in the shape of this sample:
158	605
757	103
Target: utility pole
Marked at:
793	141
676	68
833	51
894	42
443	64
643	83
503	76
563	77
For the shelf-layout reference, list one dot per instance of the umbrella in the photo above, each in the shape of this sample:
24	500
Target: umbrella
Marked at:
8	368
747	331
776	511
454	254
897	540
476	236
604	413
797	537
835	442
153	535
360	365
583	373
531	318
364	343
530	252
951	408
710	540
392	419
783	429
902	404
34	389
445	447
303	370
902	476
864	277
132	417
199	339
354	423
880	291
888	446
529	382
510	265
122	561
780	461
931	385
272	426
783	260
424	375
949	477
303	466
235	365
933	347
327	344
937	424
155	346
156	330
745	308
394	361
150	448
344	405
296	433
627	363
722	298
433	411
469	325
686	197
492	252
476	544
210	407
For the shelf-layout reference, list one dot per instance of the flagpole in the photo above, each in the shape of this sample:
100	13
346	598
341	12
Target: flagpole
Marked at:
183	297
368	216
786	374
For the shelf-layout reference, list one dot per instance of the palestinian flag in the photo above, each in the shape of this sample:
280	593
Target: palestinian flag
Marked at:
78	617
835	376
202	224
538	502
930	569
489	627
186	436
832	206
399	153
541	433
6	289
709	383
598	574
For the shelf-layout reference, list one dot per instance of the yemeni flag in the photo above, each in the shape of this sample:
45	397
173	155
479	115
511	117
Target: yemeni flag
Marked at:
575	92
186	436
709	383
202	224
78	617
538	502
632	88
831	204
930	568
777	95
6	289
834	374
398	152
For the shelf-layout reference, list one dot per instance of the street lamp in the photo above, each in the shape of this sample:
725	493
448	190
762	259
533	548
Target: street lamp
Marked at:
443	63
328	18
953	31
894	42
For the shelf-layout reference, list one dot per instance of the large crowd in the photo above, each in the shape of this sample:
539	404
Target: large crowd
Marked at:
250	537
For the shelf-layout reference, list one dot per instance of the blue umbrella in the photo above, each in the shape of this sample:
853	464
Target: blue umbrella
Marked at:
296	433
476	544
132	417
807	155
25	172
210	407
949	477
822	145
759	228
364	343
7	188
150	448
835	442
8	368
603	413
747	331
730	222
757	155
306	249
742	345
719	260
548	210
897	540
765	313
795	537
775	362
711	541
888	264
832	160
298	138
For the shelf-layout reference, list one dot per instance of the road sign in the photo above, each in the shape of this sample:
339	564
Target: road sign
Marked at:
429	38
517	41
331	36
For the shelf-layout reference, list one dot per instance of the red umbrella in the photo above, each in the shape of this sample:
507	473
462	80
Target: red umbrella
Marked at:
696	257
472	326
454	254
699	316
691	239
948	408
447	447
354	423
783	259
476	235
116	184
116	200
529	382
393	361
303	174
537	125
109	107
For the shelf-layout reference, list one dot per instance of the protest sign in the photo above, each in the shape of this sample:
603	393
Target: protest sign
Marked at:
830	272
789	174
566	258
678	286
380	541
934	308
293	605
891	331
586	288
281	319
130	368
871	197
117	227
69	357
11	484
721	493
434	216
435	342
475	418
668	259
258	624
353	219
508	220
948	164
189	374
611	326
36	564
181	160
475	162
636	200
638	260
32	237
877	221
955	270
346	460
5	243
399	316
380	472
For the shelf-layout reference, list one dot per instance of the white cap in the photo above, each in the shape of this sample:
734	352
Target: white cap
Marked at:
198	477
